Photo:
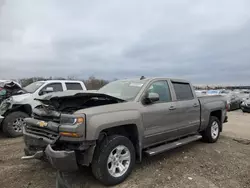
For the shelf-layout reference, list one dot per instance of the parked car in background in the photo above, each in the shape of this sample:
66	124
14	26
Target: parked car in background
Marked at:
245	105
233	101
213	92
111	128
14	109
218	92
243	94
201	92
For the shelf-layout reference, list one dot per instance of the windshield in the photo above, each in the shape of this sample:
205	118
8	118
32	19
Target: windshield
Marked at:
33	87
126	90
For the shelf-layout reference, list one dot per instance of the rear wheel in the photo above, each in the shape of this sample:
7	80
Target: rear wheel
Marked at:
212	132
13	124
113	160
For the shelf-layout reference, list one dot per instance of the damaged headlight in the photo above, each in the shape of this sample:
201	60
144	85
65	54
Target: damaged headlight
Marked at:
67	119
72	120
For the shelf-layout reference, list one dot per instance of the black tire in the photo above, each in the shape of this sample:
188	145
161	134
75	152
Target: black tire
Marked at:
207	134
101	155
8	121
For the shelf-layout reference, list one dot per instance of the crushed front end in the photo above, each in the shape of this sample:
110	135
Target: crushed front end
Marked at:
55	132
58	138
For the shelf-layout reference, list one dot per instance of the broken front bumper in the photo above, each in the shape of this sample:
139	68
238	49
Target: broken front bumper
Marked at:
64	161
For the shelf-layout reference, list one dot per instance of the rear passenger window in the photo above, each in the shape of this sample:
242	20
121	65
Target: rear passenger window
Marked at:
183	91
74	86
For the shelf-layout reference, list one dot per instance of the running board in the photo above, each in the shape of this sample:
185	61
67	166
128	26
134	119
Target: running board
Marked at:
172	145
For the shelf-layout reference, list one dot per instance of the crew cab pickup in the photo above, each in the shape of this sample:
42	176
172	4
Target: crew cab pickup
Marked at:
14	109
111	128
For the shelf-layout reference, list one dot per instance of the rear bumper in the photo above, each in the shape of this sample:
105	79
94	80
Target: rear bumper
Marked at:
64	161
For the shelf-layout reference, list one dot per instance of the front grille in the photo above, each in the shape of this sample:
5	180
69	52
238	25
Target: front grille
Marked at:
42	132
46	118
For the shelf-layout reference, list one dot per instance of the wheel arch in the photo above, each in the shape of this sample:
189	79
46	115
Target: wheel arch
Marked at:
130	131
218	114
26	108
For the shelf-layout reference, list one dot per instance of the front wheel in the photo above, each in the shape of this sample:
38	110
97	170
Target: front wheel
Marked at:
13	124
113	160
212	132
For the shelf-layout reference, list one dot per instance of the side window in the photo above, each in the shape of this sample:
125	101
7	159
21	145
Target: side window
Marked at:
183	91
51	88
162	89
73	86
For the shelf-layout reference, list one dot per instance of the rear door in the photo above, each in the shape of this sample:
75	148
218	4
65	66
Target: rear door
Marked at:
188	108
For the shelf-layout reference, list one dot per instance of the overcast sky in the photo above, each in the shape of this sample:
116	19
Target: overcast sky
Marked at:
203	41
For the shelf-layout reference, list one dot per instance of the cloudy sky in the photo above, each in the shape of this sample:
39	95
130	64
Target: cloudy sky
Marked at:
205	41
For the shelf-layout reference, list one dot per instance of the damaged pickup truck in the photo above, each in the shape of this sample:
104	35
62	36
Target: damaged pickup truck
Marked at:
15	108
110	129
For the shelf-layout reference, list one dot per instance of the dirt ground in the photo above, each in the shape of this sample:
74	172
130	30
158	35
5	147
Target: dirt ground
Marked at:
238	125
197	165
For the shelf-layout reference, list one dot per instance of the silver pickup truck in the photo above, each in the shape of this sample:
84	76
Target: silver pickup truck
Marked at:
112	128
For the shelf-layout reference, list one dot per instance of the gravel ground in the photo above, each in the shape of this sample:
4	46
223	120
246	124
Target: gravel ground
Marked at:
223	164
238	125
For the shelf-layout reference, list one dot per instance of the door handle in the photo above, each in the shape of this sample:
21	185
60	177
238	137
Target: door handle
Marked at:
195	105
172	108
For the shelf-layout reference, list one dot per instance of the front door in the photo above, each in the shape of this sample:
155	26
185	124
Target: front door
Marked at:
159	118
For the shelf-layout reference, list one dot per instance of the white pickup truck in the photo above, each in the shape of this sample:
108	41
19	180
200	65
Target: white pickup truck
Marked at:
14	109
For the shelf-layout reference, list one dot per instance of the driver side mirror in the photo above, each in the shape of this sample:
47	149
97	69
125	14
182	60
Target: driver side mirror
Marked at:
151	98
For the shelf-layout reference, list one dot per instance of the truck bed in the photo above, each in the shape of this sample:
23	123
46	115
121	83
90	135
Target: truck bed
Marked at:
208	104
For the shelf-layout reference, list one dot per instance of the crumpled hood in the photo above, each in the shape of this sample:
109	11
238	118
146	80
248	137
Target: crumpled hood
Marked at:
71	101
73	94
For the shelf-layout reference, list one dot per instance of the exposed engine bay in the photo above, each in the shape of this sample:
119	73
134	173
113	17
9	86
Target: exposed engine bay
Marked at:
70	104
